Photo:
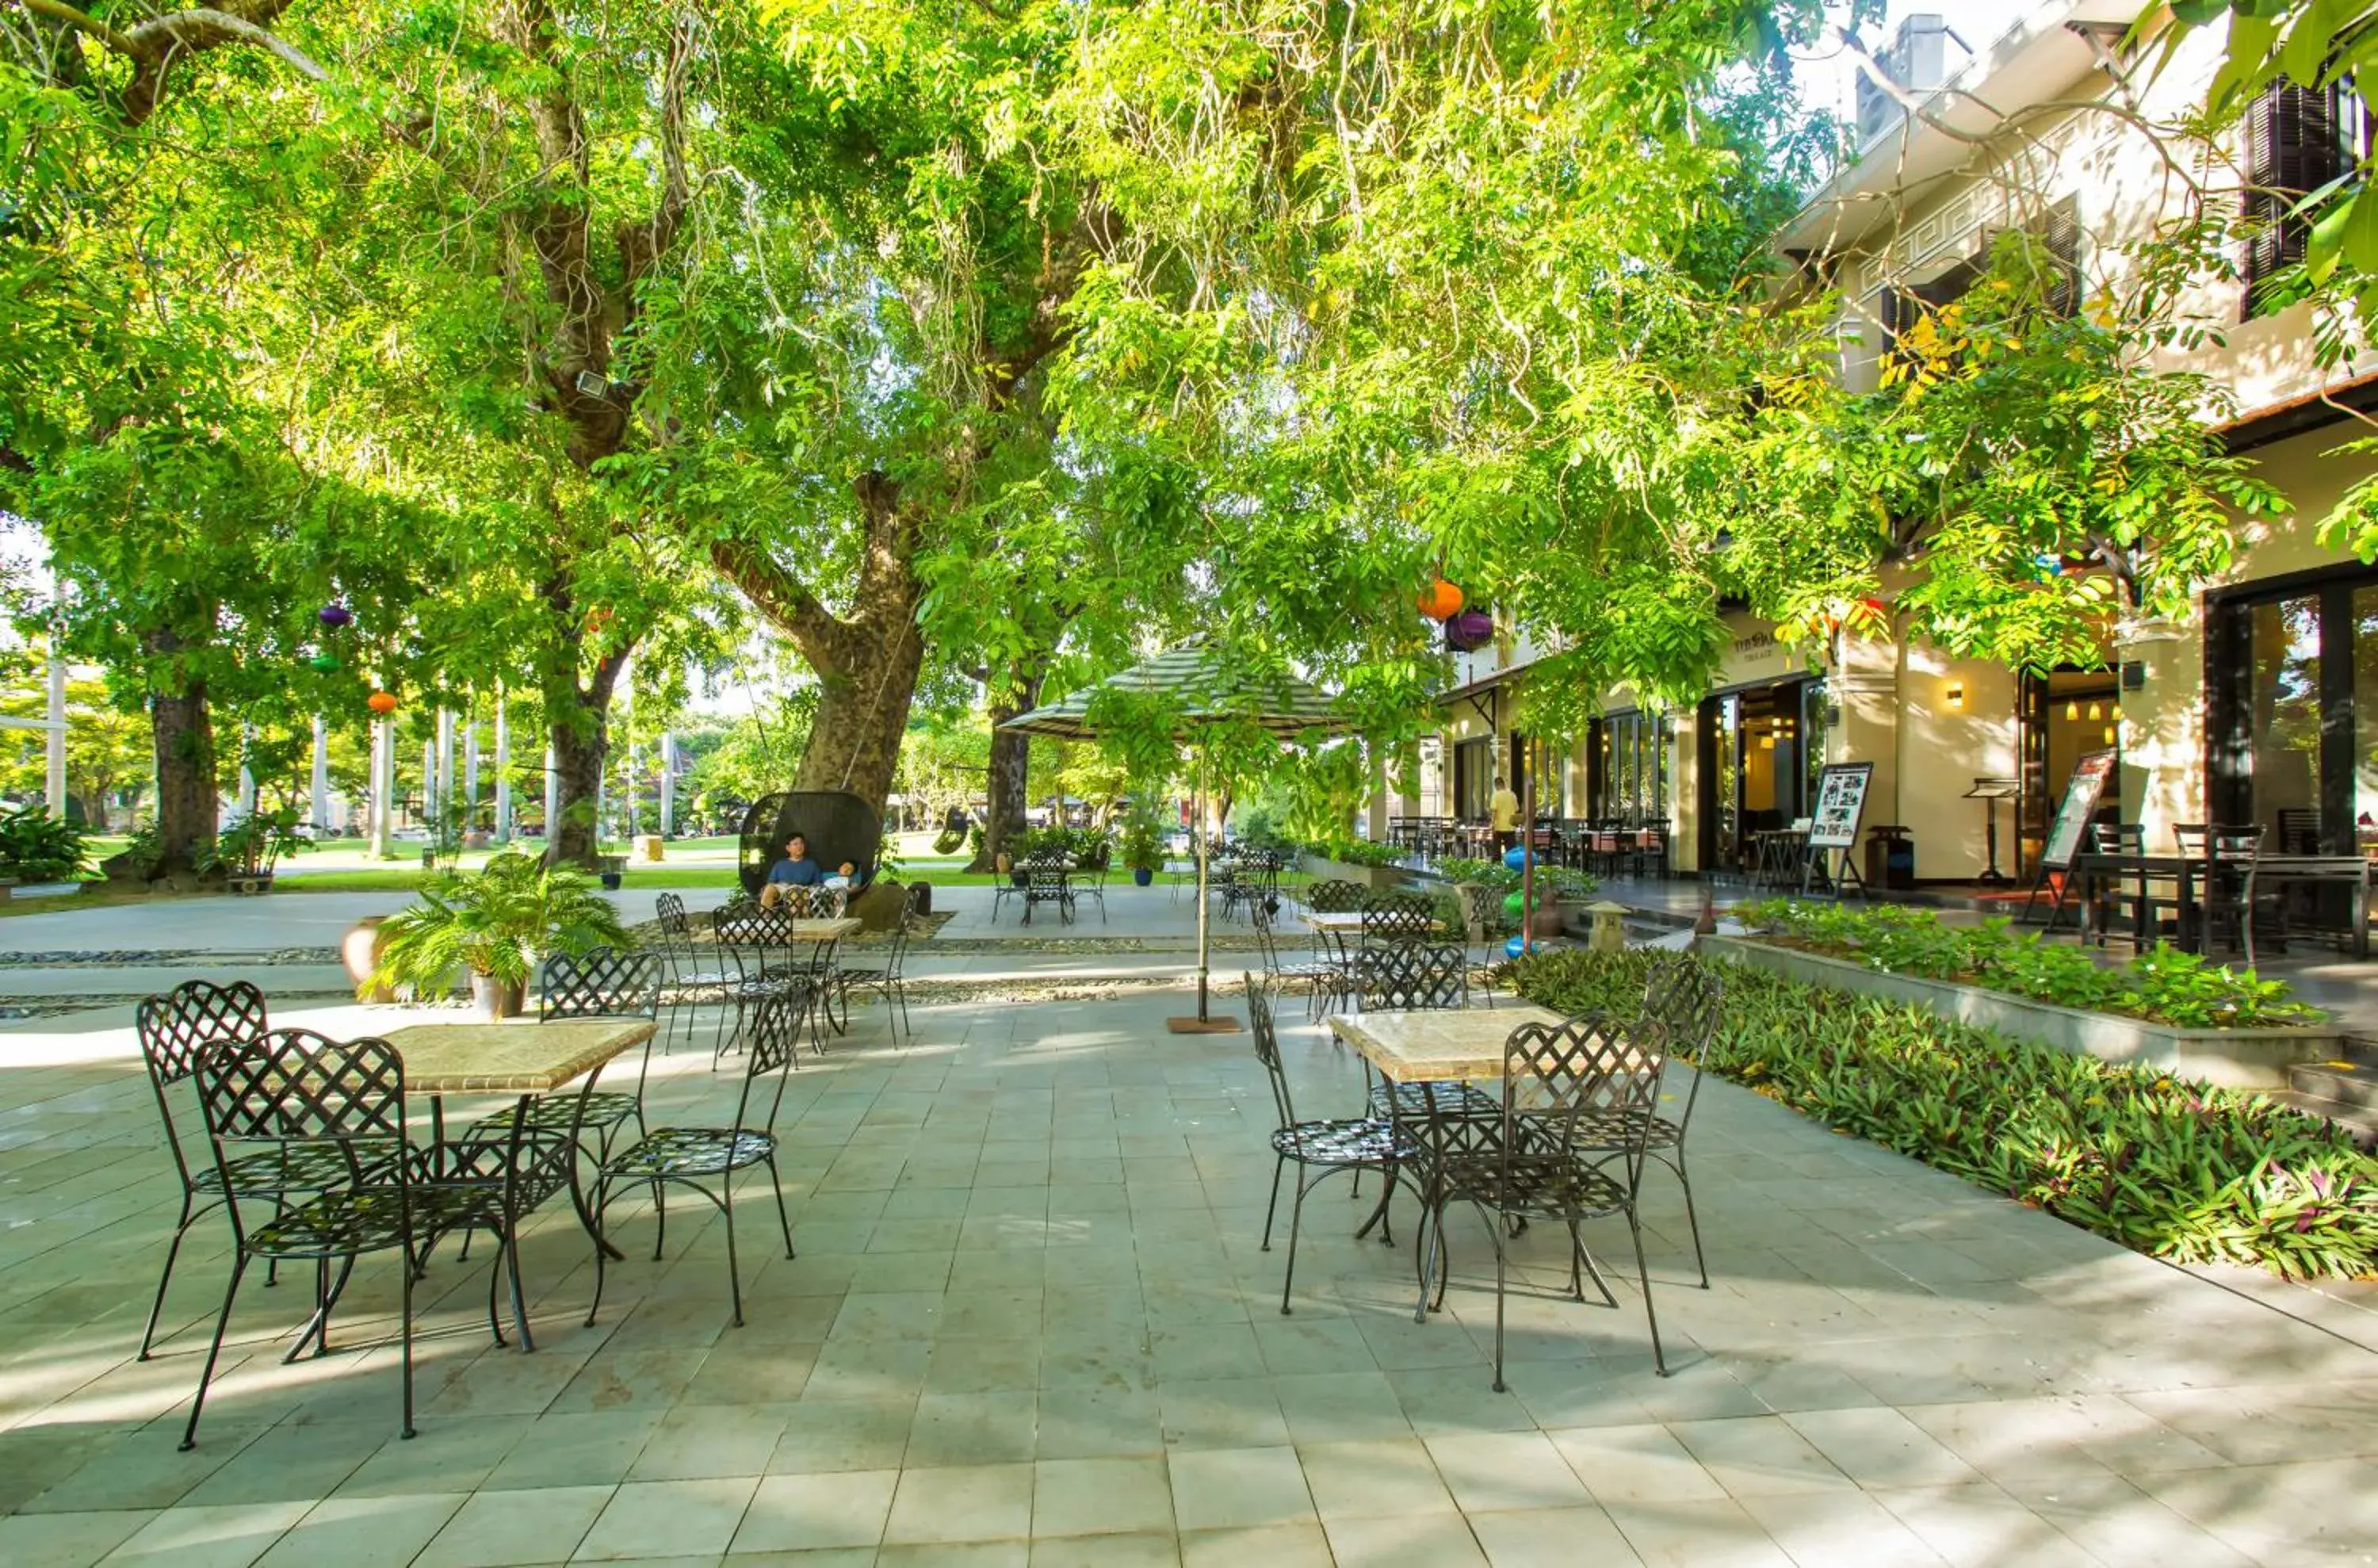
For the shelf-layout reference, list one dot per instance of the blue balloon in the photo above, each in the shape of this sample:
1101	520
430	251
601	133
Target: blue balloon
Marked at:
1515	946
1515	858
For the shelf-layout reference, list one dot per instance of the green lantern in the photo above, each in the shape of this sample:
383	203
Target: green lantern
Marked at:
327	663
1513	906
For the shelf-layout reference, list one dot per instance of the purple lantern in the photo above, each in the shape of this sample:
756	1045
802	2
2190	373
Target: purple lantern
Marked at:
335	615
1471	629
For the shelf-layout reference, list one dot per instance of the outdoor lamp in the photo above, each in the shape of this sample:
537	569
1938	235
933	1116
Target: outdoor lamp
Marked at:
2072	712
1956	694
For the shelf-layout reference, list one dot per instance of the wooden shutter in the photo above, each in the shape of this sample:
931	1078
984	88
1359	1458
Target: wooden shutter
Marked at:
2295	142
2063	238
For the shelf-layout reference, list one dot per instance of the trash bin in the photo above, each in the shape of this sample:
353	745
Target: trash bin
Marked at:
1889	857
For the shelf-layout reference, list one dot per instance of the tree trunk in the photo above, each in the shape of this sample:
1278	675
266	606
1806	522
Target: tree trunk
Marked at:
1011	760
182	727
580	741
862	716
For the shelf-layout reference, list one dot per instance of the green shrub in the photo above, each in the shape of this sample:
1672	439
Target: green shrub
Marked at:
1355	851
37	846
2162	986
2164	1165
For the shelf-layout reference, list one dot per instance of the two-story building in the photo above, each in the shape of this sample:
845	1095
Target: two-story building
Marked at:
2263	700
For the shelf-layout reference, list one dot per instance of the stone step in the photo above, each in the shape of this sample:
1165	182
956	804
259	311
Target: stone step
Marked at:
2344	1079
2359	1122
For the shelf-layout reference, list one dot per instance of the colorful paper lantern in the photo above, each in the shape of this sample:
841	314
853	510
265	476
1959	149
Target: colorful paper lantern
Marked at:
335	615
1513	906
1515	946
1441	600
328	663
1515	858
381	703
1471	629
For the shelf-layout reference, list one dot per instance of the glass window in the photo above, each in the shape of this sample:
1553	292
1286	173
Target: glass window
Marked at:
2283	706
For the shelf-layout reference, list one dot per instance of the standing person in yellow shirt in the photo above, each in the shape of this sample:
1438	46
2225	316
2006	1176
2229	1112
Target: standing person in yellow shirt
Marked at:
1505	806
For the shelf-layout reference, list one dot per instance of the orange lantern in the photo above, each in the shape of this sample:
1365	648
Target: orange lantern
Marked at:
1442	601
381	703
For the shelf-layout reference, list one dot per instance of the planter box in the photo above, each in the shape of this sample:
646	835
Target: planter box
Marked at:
2236	1058
1322	870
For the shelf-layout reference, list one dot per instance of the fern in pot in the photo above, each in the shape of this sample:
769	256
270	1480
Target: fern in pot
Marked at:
496	925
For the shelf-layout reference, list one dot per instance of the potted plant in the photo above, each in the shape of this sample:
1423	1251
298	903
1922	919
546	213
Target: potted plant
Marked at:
1143	847
248	849
495	923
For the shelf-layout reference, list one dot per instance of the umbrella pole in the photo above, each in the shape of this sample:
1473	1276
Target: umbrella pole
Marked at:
1202	1023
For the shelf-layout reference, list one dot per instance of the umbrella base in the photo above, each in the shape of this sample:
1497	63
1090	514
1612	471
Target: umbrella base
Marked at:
1220	1024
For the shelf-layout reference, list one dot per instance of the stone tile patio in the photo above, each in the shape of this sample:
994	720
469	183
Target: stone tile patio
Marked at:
1031	1324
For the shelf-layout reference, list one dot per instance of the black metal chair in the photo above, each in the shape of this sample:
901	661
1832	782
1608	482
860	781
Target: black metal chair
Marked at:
1411	976
1336	896
1047	880
1390	918
811	900
1322	1148
696	1156
1685	998
1089	878
2231	899
603	983
694	980
174	1029
758	946
1325	979
1566	1086
303	1099
887	980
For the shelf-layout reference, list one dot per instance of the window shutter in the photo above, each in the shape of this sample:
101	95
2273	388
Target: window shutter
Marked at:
2297	141
2063	238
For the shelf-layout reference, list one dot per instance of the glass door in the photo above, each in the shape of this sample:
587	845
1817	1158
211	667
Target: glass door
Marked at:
2293	684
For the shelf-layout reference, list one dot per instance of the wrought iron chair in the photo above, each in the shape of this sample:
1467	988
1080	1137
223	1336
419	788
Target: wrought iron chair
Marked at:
1322	1148
888	980
694	980
303	1100
1406	977
1336	896
174	1029
758	945
2231	901
1565	1087
603	983
1683	997
813	901
1325	979
696	1156
1047	880
1390	918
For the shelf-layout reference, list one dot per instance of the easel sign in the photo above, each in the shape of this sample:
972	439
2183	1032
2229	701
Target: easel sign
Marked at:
2090	775
1834	827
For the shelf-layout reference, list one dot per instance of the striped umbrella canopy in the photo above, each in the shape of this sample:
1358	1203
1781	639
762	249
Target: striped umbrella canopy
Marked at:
1202	689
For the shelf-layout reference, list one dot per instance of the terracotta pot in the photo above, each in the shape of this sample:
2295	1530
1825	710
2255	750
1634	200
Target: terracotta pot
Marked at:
359	953
496	999
1546	921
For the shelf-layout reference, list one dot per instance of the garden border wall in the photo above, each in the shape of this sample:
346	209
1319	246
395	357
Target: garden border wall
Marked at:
2236	1059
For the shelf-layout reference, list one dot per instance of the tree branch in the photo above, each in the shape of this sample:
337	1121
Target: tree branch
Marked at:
781	597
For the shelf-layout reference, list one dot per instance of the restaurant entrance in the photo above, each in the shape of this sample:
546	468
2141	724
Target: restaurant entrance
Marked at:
1758	764
2291	672
2065	714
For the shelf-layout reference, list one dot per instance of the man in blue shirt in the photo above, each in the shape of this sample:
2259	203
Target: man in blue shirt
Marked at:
795	870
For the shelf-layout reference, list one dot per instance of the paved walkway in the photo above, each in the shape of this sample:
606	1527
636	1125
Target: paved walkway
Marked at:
1030	1323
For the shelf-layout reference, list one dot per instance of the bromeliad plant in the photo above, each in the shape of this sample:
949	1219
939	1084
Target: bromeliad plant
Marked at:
2162	986
495	924
2164	1165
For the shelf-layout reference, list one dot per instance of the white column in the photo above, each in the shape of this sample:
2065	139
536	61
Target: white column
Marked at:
383	775
668	784
470	776
247	777
442	803
57	735
321	775
552	796
430	789
503	774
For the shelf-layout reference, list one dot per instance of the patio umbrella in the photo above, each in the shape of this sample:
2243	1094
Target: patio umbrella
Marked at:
1203	691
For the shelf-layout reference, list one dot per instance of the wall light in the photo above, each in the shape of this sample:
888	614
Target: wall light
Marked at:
2072	712
1956	693
2109	734
2095	712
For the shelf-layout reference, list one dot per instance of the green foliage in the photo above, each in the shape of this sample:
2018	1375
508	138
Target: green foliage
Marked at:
2168	1166
1087	847
2162	986
37	846
251	846
496	922
1355	851
1143	841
